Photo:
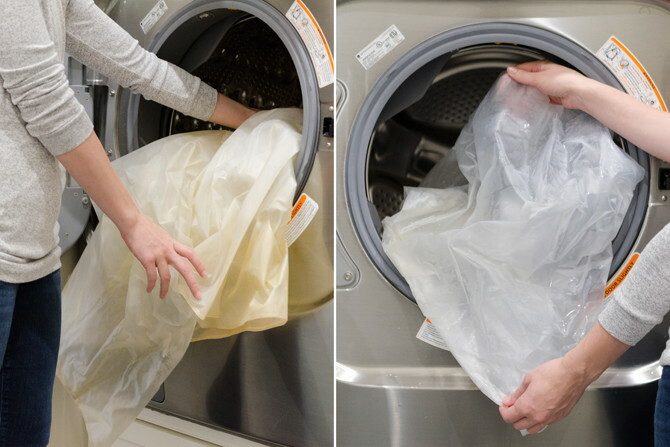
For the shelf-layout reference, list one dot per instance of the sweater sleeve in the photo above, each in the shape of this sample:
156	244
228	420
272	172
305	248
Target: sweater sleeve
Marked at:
98	42
643	299
34	77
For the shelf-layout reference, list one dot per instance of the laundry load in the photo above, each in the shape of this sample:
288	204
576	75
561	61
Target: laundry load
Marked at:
229	197
510	258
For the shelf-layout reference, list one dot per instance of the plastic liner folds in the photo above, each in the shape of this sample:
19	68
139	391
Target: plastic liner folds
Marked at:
509	258
227	195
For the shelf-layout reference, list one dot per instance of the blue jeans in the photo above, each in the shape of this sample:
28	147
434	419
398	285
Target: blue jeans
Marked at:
29	339
662	413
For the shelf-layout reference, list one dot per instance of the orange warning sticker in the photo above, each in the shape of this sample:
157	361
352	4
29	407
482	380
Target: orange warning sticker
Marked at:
428	333
616	282
631	73
302	214
312	35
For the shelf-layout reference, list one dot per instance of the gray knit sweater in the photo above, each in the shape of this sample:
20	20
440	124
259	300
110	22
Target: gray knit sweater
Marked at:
40	118
643	299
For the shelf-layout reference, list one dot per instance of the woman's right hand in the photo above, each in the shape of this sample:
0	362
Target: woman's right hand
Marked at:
561	84
149	242
156	250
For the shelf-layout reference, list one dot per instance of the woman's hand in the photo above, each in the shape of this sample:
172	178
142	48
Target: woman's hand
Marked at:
152	245
156	250
642	125
561	84
230	113
546	395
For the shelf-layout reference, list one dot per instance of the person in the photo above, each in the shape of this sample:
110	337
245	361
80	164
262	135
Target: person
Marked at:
550	391
42	126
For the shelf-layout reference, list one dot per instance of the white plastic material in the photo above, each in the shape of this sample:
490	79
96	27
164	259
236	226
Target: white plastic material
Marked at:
511	260
228	196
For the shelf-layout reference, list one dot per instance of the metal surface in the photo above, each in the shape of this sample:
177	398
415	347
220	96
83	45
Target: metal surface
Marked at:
426	418
275	387
394	390
75	204
74	215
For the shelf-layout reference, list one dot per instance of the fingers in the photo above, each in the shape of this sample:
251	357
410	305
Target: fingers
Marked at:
161	268
164	273
537	428
527	73
509	400
534	66
185	271
522	76
189	254
524	424
511	415
152	276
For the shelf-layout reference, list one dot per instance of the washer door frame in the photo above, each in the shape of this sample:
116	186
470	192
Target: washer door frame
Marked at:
357	155
296	48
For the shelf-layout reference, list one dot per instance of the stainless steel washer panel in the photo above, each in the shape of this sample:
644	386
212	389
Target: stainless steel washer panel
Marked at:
425	418
274	386
376	324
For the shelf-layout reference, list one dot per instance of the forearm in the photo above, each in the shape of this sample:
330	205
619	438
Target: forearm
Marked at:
90	167
634	308
639	123
595	353
97	41
230	113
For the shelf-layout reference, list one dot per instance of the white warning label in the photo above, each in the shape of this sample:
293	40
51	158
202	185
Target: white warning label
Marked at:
428	333
153	16
302	214
380	47
311	34
630	72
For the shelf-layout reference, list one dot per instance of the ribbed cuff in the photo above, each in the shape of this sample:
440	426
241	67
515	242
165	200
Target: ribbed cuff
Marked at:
68	136
622	325
204	102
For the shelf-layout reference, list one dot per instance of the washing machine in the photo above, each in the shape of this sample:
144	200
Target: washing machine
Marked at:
410	73
275	387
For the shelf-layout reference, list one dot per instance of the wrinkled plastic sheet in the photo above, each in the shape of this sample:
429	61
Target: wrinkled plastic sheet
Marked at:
507	243
229	197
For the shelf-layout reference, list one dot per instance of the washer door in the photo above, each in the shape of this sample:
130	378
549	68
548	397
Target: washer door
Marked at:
248	51
415	112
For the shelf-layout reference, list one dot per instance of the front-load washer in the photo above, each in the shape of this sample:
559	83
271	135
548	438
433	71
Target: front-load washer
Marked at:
275	387
410	73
